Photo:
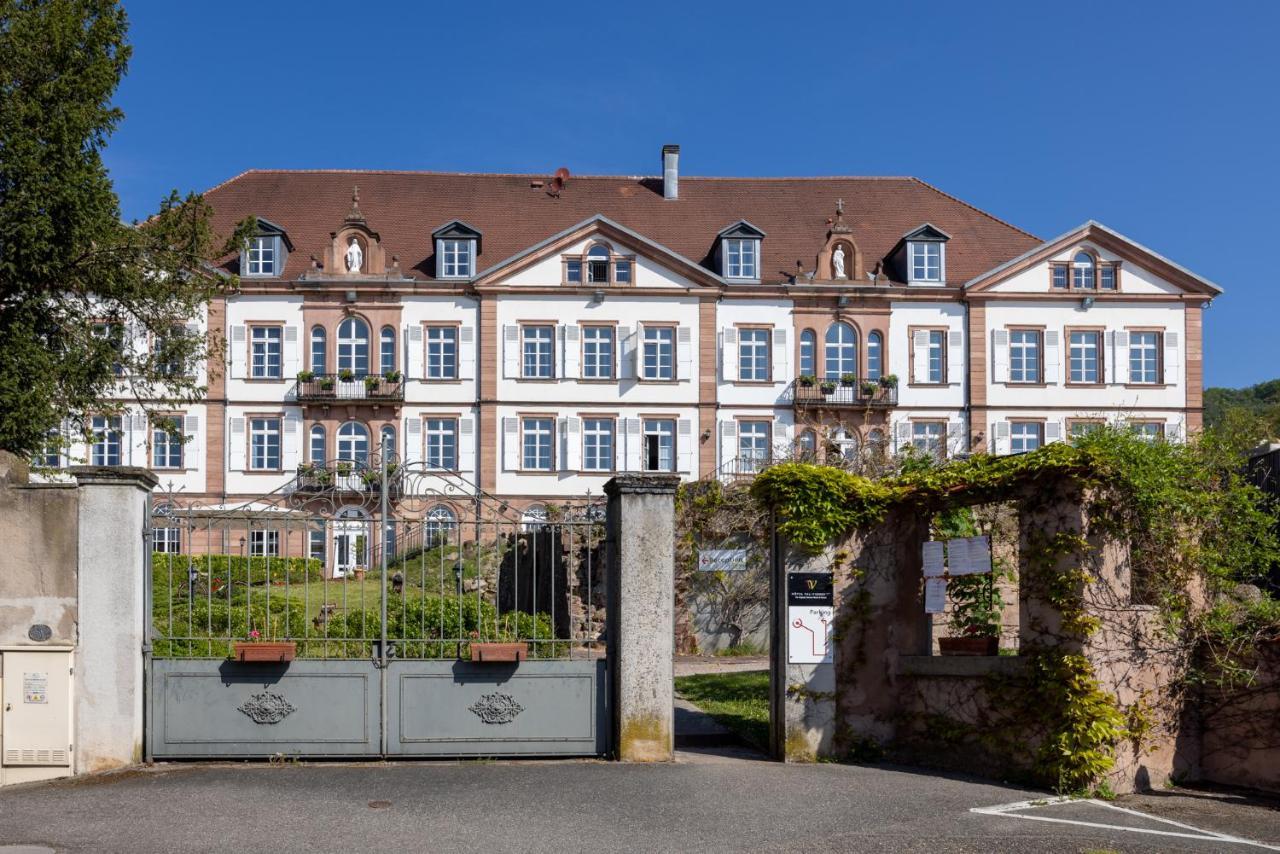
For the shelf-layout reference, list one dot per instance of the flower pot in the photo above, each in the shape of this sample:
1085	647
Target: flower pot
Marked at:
972	645
828	388
264	651
499	652
358	574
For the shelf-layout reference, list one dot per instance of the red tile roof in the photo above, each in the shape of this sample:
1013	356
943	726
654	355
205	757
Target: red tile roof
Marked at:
405	207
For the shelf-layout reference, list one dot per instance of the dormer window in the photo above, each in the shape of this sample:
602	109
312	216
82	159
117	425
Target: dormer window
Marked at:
740	251
264	254
926	262
457	245
1085	272
922	255
456	255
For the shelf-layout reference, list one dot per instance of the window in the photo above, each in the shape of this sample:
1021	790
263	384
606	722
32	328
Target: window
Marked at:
456	255
597	444
926	262
573	271
260	256
442	443
387	442
166	540
808	349
439	526
659	353
659	444
442	352
264	543
598	265
107	441
1060	276
1024	356
353	443
807	445
113	334
166	443
315	544
264	352
1082	269
50	455
622	272
536	443
841	351
353	347
538	349
936	365
928	437
1025	436
846	442
1083	273
875	356
1107	276
1147	430
1144	357
1080	429
740	255
317	451
264	444
597	352
387	350
753	355
168	352
753	445
319	360
1086	364
533	519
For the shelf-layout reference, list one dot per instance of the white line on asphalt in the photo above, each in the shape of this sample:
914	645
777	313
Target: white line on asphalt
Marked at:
1015	810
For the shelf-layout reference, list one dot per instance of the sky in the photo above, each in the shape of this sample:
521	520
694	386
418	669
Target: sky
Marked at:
1158	119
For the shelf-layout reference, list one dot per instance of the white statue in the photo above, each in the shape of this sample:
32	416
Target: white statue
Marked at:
355	256
837	261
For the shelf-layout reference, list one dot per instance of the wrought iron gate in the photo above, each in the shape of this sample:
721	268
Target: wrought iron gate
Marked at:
415	616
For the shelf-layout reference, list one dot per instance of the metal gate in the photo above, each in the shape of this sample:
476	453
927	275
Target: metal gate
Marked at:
376	609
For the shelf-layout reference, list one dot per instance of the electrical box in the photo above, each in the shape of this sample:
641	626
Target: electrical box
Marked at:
35	715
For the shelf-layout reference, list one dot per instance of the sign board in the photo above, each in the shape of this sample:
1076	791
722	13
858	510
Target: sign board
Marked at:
722	560
810	605
935	595
931	552
969	556
35	688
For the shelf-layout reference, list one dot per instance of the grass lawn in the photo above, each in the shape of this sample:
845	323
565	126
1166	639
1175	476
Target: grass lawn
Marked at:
740	701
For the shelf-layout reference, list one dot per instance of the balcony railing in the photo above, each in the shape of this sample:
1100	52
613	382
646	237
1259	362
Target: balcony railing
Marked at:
340	387
824	393
339	478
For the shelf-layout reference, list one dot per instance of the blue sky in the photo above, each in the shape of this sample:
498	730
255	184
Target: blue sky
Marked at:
1158	119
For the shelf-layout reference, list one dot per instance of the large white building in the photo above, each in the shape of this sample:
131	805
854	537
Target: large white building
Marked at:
536	336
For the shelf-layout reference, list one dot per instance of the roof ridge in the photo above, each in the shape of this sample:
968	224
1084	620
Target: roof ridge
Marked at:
976	209
317	171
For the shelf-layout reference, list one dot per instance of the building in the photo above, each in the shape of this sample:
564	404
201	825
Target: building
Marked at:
535	335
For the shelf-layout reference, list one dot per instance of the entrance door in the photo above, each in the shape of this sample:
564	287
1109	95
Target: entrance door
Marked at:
349	541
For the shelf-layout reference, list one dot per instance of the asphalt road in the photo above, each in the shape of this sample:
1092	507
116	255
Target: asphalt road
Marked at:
702	803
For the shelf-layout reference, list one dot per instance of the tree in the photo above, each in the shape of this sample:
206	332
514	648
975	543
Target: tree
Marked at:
92	309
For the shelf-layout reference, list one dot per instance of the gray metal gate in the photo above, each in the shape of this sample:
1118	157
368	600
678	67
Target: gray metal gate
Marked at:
420	617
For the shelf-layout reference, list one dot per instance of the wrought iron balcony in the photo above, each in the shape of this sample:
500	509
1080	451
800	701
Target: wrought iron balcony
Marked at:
341	478
860	394
349	388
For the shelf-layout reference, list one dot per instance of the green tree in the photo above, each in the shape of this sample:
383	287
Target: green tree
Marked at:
92	309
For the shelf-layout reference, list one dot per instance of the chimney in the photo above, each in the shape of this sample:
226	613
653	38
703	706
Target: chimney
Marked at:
670	171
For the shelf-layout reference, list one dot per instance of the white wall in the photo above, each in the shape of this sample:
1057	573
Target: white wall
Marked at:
1133	279
951	315
286	310
549	271
417	310
730	313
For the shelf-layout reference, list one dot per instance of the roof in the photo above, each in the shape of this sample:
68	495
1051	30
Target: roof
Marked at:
794	213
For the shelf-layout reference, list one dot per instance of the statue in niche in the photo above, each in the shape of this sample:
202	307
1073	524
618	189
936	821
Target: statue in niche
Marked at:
354	256
837	262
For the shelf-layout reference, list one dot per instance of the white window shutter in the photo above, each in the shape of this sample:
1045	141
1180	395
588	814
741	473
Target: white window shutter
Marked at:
466	445
728	441
626	358
955	357
1052	431
783	438
1052	357
1120	357
136	433
511	444
412	440
684	445
236	444
192	330
684	353
956	443
1173	432
781	354
635	438
1172	357
192	458
290	348
902	434
572	456
562	441
920	356
466	353
1001	435
1000	355
729	355
239	351
511	352
413	352
637	351
291	441
571	359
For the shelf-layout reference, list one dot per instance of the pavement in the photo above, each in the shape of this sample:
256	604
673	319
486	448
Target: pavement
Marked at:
688	665
709	800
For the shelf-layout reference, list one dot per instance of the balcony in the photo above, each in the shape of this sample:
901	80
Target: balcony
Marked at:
339	478
826	394
347	388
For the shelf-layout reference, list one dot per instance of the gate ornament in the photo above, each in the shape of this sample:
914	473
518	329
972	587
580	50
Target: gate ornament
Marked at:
267	708
497	708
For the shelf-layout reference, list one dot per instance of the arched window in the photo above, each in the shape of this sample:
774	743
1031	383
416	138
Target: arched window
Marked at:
598	265
808	349
533	518
319	361
841	351
875	356
388	444
317	451
353	443
807	445
387	350
438	529
846	442
353	346
1082	271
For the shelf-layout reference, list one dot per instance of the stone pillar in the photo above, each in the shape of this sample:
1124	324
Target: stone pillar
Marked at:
641	614
115	504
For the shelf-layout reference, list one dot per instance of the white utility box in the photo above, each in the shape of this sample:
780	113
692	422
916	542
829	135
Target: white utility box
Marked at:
35	714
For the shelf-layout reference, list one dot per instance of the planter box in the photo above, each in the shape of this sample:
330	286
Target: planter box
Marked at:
499	652
273	651
969	646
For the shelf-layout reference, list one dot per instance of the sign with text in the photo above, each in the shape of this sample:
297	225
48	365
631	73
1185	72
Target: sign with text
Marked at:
810	588
931	554
969	556
722	560
810	601
935	595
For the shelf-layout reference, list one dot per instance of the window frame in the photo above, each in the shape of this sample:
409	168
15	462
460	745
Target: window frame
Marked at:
1037	423
447	251
113	425
273	242
767	448
612	433
318	345
1073	423
264	542
1039	333
354	343
1100	343
250	432
1134	423
550	433
878	337
266	326
427	330
827	346
1068	268
645	329
914	246
452	433
943	366
942	451
169	440
645	431
613	352
728	247
754	330
813	352
116	333
581	263
525	328
1158	382
383	367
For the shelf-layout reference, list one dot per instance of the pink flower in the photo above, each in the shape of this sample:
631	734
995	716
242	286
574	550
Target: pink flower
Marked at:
253	635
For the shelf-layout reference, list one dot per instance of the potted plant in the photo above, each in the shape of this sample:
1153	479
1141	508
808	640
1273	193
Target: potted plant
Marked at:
869	388
306	376
257	650
828	386
848	380
344	468
889	381
372	382
975	618
392	376
358	573
371	478
807	380
346	375
326	384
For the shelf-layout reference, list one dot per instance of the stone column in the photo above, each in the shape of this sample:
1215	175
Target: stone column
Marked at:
641	618
115	503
